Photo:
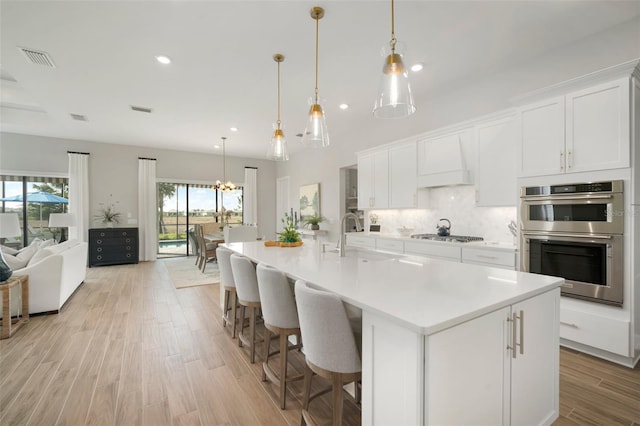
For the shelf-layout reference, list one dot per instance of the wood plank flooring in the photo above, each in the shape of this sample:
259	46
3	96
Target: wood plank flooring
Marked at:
130	349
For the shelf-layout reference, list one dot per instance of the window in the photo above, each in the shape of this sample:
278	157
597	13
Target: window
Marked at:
33	199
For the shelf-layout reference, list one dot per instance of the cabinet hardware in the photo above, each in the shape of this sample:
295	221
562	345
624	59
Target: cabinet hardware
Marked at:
569	159
569	324
513	319
561	160
486	257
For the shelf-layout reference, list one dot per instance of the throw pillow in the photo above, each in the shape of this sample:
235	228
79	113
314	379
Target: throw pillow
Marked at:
27	253
13	262
41	254
8	250
47	243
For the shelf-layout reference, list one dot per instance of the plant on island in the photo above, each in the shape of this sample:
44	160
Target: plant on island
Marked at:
289	232
314	220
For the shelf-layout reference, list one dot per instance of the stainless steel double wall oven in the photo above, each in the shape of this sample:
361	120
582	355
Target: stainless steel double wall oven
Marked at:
576	232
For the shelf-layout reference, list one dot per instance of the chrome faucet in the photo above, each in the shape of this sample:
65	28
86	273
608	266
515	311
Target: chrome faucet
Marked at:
343	237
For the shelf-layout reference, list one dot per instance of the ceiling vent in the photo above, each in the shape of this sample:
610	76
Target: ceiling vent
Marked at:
79	117
141	109
37	57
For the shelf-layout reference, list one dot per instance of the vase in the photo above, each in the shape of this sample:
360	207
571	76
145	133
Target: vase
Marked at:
5	270
108	224
315	227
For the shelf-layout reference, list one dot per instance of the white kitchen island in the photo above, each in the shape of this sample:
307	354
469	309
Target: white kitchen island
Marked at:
438	336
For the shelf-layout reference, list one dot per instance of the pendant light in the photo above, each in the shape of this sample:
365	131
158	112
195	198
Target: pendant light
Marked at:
394	95
278	147
315	134
225	185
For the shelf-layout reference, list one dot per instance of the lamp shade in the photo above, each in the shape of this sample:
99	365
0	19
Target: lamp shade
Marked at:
61	220
9	225
394	95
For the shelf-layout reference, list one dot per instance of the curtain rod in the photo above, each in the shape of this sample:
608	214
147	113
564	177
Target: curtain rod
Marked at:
143	158
81	153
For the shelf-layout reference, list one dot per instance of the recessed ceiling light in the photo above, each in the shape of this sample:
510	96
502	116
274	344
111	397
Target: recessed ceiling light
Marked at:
344	106
233	129
164	60
416	67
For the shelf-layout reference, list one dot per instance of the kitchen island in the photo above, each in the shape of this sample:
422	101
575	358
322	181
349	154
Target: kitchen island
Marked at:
442	342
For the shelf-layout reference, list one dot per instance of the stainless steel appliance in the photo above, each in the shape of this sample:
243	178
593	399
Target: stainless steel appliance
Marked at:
576	232
450	238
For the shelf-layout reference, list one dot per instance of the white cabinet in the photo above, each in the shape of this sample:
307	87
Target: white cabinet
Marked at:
486	257
584	130
373	180
495	179
387	177
474	365
355	240
433	250
442	160
392	245
403	176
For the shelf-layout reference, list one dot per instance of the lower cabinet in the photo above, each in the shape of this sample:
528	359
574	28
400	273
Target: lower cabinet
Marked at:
475	365
487	257
113	246
469	373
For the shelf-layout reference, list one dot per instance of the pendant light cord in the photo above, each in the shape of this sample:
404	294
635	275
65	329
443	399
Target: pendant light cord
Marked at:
224	162
393	29
316	89
278	122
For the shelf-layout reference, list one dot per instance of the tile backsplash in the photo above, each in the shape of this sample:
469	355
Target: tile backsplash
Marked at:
456	203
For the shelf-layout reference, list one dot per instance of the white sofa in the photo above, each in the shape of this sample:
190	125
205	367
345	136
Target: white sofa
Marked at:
55	272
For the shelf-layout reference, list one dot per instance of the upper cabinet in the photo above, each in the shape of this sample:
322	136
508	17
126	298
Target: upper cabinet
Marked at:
495	180
373	180
387	177
403	176
582	131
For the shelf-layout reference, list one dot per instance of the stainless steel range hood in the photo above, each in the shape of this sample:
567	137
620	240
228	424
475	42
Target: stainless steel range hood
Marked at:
441	161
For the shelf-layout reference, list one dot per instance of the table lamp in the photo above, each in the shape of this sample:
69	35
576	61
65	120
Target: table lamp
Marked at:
62	221
9	227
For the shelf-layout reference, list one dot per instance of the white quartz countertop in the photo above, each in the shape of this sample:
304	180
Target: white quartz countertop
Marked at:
493	245
425	295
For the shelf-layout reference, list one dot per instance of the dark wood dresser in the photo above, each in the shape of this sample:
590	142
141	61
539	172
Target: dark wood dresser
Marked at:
113	246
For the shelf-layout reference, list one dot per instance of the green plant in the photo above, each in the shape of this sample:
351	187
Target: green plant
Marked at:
314	220
107	213
289	232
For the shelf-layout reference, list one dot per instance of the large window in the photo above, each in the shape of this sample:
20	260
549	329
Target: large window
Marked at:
33	199
180	206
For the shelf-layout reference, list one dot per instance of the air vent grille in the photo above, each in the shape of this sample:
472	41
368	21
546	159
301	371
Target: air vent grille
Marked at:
141	109
37	57
79	117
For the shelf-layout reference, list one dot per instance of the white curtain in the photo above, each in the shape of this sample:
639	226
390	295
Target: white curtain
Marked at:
250	194
79	195
147	209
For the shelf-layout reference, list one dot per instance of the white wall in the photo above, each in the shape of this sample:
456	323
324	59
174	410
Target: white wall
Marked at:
465	101
114	170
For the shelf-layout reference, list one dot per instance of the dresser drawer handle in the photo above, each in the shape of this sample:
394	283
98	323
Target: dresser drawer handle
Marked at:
98	241
99	249
124	233
128	254
128	247
99	257
569	324
128	240
102	234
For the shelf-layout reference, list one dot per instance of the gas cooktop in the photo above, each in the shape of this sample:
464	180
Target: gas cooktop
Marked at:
450	238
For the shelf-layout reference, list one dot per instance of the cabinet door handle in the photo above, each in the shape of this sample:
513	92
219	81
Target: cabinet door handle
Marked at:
569	159
483	256
569	324
521	344
514	334
561	160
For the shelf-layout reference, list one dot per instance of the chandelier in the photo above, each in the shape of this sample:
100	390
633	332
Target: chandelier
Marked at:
225	185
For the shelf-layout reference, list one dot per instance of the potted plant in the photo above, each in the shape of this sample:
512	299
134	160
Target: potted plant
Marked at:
314	221
289	237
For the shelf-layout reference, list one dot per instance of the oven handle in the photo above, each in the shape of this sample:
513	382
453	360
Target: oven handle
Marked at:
555	234
561	197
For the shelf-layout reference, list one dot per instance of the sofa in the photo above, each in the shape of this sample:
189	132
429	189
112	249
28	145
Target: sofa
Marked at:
55	272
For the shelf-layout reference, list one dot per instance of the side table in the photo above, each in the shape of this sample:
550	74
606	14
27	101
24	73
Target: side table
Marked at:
11	325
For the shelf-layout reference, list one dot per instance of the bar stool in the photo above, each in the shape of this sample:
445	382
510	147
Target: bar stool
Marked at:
330	347
244	275
230	299
281	318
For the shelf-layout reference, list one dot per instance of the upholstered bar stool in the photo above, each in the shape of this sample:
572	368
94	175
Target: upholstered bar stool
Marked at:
230	299
280	317
244	275
330	348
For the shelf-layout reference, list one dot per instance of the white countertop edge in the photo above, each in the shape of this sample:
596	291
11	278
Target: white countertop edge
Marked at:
489	245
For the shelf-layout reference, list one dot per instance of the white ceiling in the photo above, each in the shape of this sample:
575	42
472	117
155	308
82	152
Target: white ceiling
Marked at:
223	74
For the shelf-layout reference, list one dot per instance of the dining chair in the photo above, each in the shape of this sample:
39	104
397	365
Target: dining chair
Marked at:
244	275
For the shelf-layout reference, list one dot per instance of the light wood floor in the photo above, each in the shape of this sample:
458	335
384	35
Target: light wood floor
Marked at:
130	349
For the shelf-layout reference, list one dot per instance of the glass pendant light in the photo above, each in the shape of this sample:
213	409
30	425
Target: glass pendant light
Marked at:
278	147
394	95
225	185
315	134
